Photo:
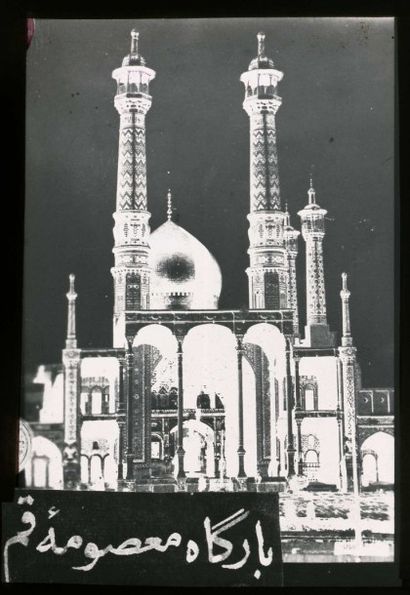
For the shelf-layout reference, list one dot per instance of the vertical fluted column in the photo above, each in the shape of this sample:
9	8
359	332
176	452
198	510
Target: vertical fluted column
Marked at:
180	449
298	417
347	355
241	449
340	427
121	418
290	404
129	366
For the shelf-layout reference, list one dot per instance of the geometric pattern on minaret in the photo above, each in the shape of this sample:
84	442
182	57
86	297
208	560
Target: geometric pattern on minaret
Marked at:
313	232
291	236
268	270
131	229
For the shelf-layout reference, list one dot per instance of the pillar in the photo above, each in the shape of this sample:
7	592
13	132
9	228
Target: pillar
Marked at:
290	451
180	448
129	366
241	449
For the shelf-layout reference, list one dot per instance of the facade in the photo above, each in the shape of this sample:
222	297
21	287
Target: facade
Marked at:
190	393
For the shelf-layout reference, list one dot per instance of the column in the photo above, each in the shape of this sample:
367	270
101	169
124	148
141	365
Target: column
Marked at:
241	449
340	428
72	390
121	418
180	449
298	417
289	393
129	365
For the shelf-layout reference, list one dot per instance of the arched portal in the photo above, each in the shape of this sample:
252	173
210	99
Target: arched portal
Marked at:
99	453
377	454
199	446
268	403
210	360
369	468
46	469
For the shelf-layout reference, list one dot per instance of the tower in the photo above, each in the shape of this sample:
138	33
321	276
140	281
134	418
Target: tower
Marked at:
268	270
317	333
131	229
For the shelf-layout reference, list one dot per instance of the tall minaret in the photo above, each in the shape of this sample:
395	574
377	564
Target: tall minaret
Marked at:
317	332
268	270
131	229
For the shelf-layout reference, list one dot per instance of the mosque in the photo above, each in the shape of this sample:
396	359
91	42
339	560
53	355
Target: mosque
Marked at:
192	394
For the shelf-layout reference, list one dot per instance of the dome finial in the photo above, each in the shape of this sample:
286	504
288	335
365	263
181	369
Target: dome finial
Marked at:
261	45
169	205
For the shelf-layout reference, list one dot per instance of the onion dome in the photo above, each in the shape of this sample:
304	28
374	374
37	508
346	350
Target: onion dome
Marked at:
184	274
261	61
134	58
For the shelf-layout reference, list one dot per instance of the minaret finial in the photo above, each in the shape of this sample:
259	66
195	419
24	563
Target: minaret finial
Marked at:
134	41
71	279
169	205
71	339
346	330
311	191
261	45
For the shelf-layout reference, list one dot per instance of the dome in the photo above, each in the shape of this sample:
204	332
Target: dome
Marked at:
185	275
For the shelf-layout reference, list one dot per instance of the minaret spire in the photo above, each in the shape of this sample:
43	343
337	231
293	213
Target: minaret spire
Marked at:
131	272
261	45
169	205
268	270
311	191
134	42
347	340
71	339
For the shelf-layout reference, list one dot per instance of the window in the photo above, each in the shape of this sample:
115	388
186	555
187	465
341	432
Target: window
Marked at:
272	295
133	293
311	457
310	397
96	401
155	448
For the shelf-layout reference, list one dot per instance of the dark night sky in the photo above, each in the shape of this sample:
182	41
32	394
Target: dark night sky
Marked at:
337	114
